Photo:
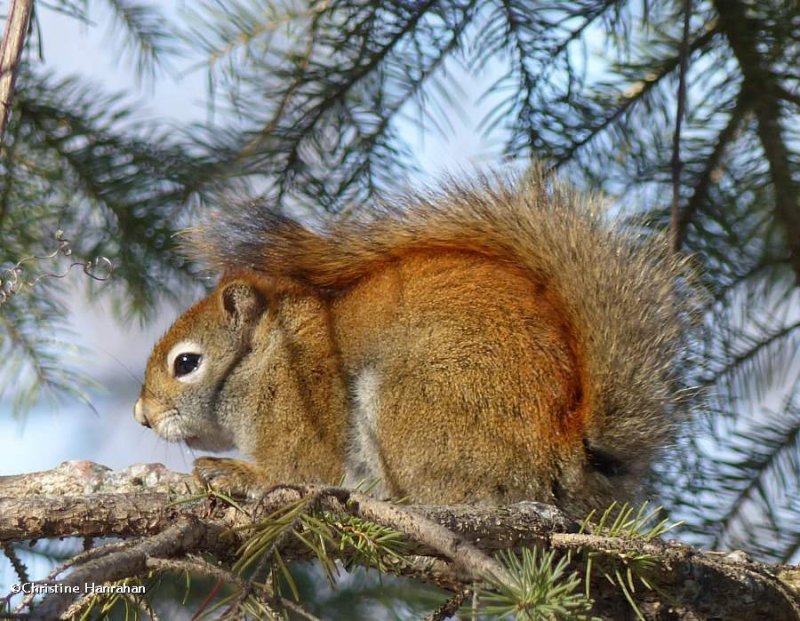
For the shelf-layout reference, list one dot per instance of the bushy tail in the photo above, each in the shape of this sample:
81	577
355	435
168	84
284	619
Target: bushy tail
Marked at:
617	291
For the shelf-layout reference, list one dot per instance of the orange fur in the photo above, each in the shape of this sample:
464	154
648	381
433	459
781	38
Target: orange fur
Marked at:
488	344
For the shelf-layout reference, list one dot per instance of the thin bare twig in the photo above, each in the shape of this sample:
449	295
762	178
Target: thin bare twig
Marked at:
677	165
450	607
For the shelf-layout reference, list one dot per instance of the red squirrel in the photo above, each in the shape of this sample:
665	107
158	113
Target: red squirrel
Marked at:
488	343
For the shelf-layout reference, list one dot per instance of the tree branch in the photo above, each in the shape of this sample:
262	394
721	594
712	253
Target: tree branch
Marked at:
765	93
185	536
677	165
448	546
19	15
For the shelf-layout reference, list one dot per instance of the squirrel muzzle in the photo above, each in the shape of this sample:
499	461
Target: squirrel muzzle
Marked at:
139	414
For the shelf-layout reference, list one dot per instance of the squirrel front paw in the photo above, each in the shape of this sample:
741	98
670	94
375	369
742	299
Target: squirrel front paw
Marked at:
233	477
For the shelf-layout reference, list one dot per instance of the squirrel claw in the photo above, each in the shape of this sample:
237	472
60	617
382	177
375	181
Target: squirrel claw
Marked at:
229	476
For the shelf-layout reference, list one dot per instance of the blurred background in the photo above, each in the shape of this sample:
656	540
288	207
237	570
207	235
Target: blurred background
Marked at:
132	118
91	418
107	351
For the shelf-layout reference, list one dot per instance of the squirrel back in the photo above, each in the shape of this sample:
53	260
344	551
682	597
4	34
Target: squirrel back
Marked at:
606	297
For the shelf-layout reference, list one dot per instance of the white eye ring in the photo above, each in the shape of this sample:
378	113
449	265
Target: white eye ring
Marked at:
192	353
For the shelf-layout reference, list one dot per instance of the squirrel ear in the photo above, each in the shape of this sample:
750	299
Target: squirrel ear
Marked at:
242	302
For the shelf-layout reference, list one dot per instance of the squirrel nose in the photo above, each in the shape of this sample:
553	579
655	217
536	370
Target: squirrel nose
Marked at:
139	415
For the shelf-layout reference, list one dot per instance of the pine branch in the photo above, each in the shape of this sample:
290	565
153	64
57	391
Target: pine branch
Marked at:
756	468
703	182
82	499
763	89
148	40
127	189
736	362
666	68
520	53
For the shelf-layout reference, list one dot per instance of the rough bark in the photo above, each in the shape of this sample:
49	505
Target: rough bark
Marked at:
17	20
450	546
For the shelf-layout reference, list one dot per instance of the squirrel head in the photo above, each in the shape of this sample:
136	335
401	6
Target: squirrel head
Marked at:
189	365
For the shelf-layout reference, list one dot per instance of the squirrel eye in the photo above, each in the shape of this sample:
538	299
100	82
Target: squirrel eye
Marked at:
186	363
